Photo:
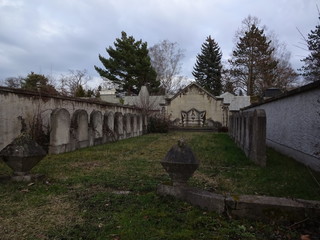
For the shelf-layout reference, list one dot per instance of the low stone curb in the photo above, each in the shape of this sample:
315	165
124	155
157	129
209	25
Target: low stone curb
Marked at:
245	206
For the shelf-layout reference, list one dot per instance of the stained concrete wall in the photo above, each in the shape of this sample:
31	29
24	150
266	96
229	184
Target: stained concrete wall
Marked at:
70	122
293	124
248	130
195	97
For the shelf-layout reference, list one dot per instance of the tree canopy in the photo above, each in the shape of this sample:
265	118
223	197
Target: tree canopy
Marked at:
252	64
207	70
166	60
38	82
129	66
311	68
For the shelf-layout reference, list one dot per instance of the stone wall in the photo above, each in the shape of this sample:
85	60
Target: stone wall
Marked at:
248	130
70	123
293	124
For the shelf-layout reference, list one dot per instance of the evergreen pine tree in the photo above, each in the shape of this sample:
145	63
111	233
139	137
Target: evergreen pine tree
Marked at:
311	68
252	64
80	92
129	66
207	70
38	82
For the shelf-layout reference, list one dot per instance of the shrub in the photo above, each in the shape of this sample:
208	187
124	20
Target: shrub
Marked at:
223	129
158	124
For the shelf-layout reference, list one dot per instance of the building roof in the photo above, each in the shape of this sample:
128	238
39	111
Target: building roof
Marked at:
236	102
189	86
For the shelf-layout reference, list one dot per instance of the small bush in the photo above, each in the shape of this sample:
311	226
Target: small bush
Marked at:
158	125
223	129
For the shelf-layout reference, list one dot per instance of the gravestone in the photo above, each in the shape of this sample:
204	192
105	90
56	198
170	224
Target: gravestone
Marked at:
118	125
80	129
96	127
60	131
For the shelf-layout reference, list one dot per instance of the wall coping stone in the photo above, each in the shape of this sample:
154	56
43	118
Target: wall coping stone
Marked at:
36	94
299	90
263	208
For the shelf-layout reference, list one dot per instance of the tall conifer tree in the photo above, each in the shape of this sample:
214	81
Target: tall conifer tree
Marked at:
207	70
252	64
311	68
129	66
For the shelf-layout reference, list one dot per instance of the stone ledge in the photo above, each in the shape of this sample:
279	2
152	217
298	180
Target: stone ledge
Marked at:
245	206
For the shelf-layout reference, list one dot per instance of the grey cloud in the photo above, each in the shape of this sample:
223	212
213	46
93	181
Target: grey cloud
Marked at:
54	36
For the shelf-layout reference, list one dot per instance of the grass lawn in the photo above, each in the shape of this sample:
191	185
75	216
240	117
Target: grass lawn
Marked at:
108	192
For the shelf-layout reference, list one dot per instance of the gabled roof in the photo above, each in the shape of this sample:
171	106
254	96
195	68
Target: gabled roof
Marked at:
196	85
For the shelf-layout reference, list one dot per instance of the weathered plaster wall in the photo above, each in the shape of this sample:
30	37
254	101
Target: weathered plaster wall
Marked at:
293	124
16	103
194	97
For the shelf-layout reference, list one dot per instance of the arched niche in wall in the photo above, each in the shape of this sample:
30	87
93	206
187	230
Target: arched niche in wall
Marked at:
118	125
108	127
139	124
59	131
127	125
80	130
134	124
96	123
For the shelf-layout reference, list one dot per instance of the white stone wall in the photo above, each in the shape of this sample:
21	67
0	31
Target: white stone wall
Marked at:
18	103
293	124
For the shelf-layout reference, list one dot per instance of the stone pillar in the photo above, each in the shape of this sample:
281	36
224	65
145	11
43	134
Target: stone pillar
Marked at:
134	125
108	127
145	124
238	133
60	131
127	129
96	128
118	125
258	151
230	127
140	124
79	129
243	130
248	129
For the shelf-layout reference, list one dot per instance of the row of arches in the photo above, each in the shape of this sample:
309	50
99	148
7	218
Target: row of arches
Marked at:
69	133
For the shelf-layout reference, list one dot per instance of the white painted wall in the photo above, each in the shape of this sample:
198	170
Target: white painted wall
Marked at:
293	124
194	97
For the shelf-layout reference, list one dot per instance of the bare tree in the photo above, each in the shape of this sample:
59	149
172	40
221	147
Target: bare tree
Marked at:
166	61
69	84
13	82
285	76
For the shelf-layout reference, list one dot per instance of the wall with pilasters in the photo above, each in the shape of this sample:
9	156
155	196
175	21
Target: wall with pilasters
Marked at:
69	123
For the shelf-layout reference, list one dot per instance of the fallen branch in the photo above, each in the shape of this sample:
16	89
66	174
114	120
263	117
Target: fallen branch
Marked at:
297	223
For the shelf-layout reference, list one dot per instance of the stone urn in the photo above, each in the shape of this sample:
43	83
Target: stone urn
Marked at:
180	163
21	155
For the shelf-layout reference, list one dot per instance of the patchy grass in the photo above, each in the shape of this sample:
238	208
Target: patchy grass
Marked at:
108	192
225	168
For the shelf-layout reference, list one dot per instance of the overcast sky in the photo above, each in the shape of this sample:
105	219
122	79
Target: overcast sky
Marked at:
51	36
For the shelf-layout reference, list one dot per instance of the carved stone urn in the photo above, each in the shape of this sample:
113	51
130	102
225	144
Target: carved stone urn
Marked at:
180	163
21	155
